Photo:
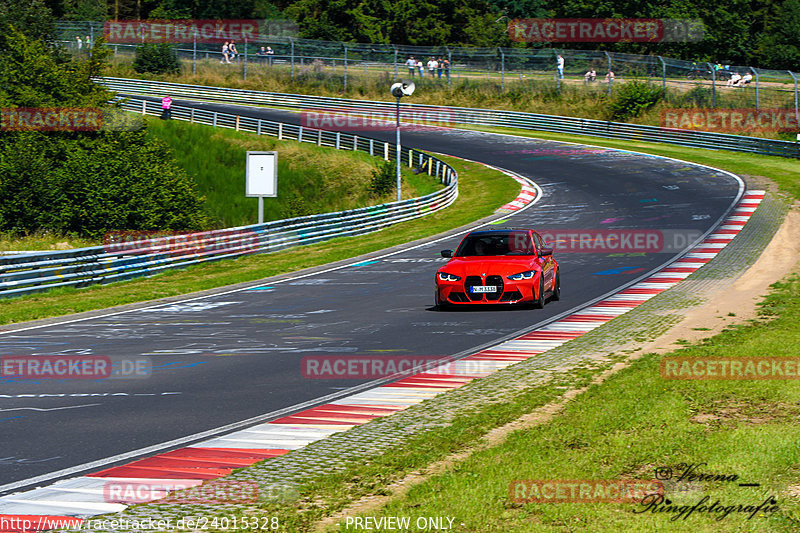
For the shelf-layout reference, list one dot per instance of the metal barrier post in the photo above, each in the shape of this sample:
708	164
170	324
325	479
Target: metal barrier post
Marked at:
244	72
502	69
610	79
214	121
713	85
450	66
395	63
663	74
755	73
345	65
338	139
292	43
194	51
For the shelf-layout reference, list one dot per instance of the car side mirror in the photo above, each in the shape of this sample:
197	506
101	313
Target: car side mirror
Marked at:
545	251
447	253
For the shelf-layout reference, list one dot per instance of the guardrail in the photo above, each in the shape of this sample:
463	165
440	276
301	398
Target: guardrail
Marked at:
472	116
123	259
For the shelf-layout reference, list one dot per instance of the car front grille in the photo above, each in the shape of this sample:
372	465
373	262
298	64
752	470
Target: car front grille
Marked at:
470	282
497	281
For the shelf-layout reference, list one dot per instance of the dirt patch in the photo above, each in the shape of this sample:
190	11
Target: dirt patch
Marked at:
739	303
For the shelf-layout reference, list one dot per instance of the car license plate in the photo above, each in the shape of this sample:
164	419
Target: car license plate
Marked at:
483	288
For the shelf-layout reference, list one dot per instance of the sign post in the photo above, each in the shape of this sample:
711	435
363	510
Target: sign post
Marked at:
262	178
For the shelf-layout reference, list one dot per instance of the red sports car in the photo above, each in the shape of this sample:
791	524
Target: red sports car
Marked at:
499	266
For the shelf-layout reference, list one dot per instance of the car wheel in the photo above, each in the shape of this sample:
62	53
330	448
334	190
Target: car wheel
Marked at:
539	302
556	287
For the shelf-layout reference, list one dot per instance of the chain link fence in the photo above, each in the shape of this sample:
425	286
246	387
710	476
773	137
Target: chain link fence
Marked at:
700	84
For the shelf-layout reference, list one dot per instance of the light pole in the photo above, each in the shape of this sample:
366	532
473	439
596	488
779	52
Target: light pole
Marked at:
399	90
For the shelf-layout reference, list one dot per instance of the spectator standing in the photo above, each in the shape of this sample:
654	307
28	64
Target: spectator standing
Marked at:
411	63
610	76
432	64
439	67
166	108
88	42
421	68
270	53
225	52
233	51
446	67
590	76
79	42
560	66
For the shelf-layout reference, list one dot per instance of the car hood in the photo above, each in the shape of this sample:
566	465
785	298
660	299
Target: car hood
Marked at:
500	265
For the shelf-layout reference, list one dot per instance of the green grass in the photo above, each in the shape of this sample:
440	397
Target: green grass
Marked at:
481	192
311	179
634	423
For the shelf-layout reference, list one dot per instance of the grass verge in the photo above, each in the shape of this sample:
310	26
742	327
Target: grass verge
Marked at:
311	179
481	191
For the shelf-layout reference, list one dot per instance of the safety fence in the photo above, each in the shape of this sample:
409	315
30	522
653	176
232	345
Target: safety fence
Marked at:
468	116
126	255
698	83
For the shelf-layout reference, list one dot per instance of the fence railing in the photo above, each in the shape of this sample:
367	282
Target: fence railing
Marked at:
122	258
470	116
769	88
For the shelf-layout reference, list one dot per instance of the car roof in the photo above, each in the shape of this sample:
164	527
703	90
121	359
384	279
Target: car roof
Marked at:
497	231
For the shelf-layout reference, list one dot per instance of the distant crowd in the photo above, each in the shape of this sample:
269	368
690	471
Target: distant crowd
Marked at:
436	67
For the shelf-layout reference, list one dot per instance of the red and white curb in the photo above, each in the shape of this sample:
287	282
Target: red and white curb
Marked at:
526	195
65	503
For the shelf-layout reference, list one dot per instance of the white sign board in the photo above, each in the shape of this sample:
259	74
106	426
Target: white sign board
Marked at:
262	174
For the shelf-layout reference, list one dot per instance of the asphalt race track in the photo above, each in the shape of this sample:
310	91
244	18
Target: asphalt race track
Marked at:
230	357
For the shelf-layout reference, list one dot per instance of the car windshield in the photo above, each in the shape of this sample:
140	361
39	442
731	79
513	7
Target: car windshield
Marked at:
511	243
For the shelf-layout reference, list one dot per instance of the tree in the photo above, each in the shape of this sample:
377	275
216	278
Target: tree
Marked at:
778	46
86	182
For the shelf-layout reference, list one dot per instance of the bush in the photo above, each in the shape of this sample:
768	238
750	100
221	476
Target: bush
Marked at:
91	183
157	59
699	96
384	179
633	98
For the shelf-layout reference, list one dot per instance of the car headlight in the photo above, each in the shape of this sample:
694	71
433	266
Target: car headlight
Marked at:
444	276
528	274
